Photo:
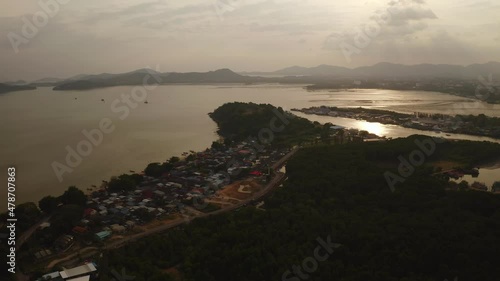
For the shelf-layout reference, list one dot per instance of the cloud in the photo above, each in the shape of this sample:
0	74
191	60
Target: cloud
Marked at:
434	47
398	24
96	36
483	5
403	12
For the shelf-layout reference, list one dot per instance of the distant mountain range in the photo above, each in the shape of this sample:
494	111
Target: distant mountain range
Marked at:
137	78
295	74
390	70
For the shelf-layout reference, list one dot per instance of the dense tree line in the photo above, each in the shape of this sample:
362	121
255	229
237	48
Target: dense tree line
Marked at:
481	120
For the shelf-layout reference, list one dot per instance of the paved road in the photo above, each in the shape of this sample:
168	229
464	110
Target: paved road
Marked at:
20	276
27	234
284	159
80	251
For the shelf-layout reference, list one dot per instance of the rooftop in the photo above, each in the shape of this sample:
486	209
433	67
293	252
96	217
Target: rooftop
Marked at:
77	271
83	278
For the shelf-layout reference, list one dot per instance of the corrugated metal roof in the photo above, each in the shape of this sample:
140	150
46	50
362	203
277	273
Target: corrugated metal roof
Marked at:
77	271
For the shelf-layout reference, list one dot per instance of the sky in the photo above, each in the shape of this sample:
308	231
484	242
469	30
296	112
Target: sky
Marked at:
95	36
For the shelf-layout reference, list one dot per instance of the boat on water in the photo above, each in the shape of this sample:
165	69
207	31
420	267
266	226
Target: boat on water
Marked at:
146	102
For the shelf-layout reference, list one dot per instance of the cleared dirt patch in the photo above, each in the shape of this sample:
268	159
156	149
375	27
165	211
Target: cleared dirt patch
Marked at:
241	189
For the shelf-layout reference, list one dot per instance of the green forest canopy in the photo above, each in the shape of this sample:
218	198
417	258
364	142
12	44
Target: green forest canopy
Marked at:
422	231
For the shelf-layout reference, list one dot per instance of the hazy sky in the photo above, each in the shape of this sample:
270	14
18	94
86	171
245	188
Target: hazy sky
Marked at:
95	36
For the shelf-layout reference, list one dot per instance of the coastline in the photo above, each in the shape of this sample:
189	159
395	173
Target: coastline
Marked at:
491	165
446	124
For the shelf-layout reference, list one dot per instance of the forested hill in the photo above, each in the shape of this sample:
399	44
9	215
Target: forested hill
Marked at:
238	121
421	231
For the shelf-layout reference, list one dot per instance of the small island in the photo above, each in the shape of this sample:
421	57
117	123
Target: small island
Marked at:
5	88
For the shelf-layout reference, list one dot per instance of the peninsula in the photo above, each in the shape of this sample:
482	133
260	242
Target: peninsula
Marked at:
479	125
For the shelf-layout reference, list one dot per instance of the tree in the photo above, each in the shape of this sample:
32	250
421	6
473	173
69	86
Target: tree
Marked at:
27	214
66	217
463	185
48	204
191	157
363	133
154	170
124	182
217	145
496	186
174	159
325	133
341	134
74	196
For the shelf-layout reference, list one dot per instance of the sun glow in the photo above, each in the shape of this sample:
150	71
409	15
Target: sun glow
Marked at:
374	128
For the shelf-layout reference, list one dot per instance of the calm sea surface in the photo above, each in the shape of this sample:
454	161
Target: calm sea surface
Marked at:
38	126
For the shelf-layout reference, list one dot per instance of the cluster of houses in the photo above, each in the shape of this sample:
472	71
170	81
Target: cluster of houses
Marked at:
421	121
450	124
355	114
198	176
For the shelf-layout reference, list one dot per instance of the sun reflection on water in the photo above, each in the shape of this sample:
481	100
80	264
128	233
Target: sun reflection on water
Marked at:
374	128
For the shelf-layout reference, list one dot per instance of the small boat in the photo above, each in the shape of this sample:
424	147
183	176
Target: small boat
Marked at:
102	99
146	102
132	171
94	185
448	135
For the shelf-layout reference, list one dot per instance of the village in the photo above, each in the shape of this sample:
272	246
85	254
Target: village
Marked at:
200	183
